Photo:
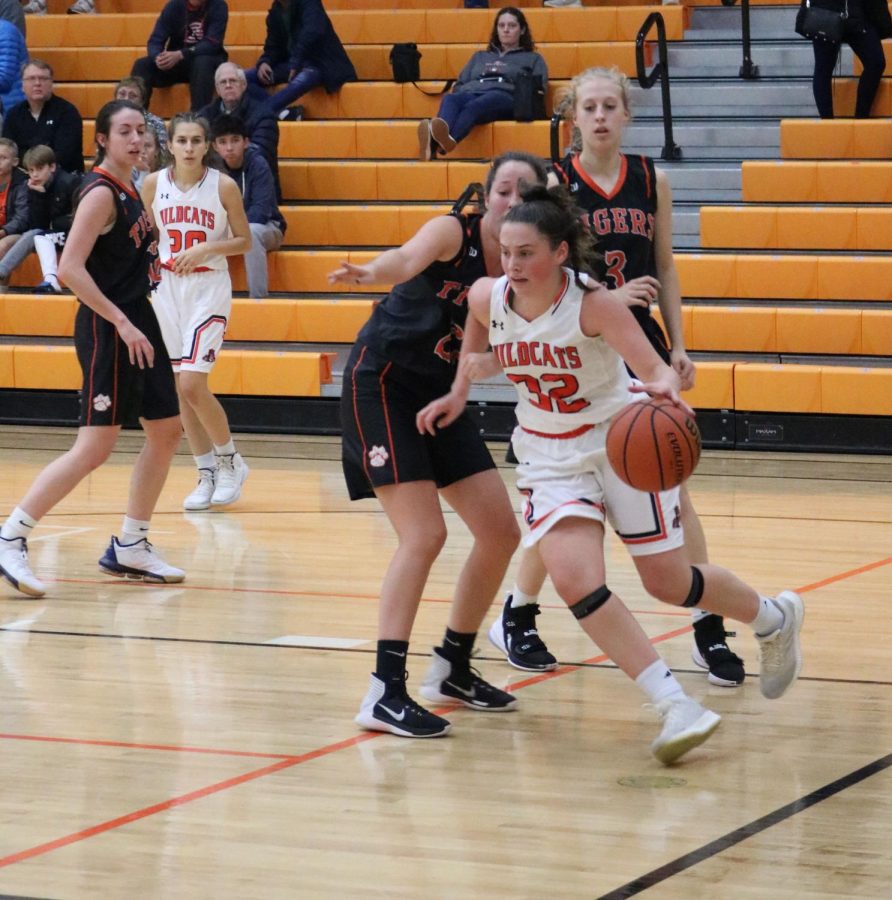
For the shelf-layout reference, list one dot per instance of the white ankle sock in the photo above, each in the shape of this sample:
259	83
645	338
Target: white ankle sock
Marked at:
206	460
519	598
19	524
769	618
226	450
658	682
698	614
133	530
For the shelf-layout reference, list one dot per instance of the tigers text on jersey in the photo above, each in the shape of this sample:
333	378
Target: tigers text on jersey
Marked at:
123	259
186	218
565	379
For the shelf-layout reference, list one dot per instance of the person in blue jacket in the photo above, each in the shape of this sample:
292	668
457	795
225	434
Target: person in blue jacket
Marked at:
246	166
13	56
186	45
301	51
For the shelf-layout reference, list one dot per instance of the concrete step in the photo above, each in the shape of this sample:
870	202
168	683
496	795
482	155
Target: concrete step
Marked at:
774	60
708	99
765	21
711	140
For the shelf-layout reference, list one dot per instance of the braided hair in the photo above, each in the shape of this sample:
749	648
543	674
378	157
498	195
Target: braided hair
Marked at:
557	218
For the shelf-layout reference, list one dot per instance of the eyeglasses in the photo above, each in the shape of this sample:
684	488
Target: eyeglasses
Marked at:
38	78
225	81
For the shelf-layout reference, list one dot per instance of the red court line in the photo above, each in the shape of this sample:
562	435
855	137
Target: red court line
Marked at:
146	811
173	748
143	813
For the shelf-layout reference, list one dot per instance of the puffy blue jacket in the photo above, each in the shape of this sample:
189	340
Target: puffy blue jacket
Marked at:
13	55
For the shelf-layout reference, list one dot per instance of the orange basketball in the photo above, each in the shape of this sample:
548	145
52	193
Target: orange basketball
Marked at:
653	446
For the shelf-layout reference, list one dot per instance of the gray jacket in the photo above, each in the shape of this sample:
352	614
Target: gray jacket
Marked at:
488	70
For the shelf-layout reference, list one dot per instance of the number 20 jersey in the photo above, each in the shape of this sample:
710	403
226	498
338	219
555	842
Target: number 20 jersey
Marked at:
565	379
186	218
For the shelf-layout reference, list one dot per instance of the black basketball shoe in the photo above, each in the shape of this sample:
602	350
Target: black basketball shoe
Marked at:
458	682
388	707
711	651
515	634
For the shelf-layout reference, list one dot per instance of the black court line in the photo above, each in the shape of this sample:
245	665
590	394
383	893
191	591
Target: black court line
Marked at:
747	831
368	651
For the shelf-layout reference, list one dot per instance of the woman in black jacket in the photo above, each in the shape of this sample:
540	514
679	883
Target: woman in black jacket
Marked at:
867	23
302	49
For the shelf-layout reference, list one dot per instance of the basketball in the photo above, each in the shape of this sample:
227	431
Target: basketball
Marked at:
653	446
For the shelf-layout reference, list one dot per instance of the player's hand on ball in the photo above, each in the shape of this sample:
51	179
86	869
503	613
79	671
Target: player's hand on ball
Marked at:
662	390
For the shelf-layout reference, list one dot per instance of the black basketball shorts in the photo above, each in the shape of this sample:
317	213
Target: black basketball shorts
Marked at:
380	443
116	392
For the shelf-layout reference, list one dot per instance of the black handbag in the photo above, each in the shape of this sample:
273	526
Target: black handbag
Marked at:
405	61
529	97
819	24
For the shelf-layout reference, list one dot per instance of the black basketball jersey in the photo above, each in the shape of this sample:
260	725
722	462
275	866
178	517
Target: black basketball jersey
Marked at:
121	260
622	221
419	325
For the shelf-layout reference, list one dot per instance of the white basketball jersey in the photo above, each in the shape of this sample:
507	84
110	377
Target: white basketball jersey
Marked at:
564	378
185	218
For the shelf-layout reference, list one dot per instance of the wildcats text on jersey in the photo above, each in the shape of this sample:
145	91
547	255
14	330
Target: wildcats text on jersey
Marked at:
536	353
190	215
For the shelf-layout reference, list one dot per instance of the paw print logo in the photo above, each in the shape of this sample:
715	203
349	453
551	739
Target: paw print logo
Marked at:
101	402
378	456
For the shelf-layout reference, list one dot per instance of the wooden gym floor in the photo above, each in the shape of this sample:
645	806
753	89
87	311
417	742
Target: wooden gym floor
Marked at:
197	740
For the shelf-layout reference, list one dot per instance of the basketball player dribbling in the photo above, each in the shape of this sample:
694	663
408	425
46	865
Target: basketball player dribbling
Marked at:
106	262
628	207
201	220
562	344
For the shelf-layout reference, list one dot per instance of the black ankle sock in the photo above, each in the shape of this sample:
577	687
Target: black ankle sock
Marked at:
457	647
390	664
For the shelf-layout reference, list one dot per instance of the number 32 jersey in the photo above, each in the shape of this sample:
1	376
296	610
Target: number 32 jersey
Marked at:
566	381
186	218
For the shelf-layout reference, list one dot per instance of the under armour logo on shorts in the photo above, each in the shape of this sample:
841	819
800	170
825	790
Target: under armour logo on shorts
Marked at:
101	402
378	456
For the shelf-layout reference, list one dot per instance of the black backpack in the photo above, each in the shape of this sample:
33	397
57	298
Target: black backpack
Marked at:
405	62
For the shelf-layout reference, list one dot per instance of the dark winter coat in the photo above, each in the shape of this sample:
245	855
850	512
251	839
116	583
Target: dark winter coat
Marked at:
255	181
52	209
18	218
59	126
311	41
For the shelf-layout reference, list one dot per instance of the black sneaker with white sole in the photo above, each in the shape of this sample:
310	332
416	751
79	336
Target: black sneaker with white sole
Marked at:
453	682
711	651
514	633
388	707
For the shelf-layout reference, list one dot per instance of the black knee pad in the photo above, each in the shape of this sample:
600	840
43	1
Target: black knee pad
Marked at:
591	602
696	594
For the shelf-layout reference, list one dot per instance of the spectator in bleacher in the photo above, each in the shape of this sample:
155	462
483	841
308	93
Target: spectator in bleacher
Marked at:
51	205
484	91
234	100
79	7
133	88
248	168
867	24
13	55
152	157
14	220
44	118
49	196
12	11
301	51
186	45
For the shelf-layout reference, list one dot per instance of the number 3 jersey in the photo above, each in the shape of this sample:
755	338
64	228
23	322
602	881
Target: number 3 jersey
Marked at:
186	218
566	381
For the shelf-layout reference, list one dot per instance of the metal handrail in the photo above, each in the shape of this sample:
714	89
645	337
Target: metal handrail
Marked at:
555	134
661	70
747	69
